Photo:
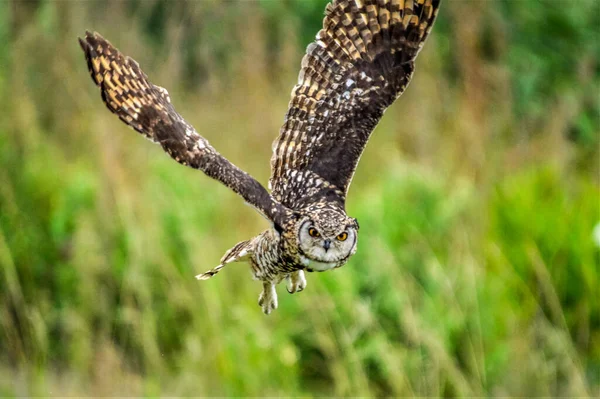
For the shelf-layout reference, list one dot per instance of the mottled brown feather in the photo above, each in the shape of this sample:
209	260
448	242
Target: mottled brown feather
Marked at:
147	108
360	62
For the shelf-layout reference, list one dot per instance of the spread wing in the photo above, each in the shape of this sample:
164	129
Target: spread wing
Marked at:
147	108
361	61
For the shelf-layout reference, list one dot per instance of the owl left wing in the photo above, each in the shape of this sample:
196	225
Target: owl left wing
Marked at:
127	92
361	61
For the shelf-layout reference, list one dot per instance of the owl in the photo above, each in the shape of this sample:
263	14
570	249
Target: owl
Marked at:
361	61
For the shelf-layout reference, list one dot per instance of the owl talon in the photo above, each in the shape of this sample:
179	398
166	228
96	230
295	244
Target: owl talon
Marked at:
268	298
296	282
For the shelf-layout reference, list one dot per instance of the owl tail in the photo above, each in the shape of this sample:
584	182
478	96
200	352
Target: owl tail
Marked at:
239	253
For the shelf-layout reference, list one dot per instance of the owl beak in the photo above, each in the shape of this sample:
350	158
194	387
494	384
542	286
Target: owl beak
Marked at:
326	244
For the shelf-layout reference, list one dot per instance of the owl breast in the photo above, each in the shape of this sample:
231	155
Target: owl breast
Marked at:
315	265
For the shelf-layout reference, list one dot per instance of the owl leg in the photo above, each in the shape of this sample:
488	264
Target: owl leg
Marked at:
296	281
268	297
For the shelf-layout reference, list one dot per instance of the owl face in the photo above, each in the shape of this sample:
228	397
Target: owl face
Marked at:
327	243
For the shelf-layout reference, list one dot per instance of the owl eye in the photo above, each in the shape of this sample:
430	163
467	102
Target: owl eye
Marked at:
313	232
342	237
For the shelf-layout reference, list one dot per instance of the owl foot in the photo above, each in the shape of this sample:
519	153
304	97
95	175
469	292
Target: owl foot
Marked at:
268	298
296	282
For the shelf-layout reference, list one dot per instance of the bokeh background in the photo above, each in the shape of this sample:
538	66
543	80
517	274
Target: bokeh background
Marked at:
477	272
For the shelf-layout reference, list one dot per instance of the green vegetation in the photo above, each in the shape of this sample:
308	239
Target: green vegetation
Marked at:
477	273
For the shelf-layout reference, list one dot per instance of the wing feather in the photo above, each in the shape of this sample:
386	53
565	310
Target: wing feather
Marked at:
360	62
127	92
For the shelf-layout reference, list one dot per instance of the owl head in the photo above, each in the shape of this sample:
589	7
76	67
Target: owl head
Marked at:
326	238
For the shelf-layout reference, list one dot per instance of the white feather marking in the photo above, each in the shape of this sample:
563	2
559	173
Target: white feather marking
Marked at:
319	266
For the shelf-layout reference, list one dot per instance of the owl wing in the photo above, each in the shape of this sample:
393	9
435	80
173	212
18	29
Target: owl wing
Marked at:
361	61
147	108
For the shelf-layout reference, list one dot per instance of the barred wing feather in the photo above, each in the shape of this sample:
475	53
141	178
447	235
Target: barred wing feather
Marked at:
147	108
361	61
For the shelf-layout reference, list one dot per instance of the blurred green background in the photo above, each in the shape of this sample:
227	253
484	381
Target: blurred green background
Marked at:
477	272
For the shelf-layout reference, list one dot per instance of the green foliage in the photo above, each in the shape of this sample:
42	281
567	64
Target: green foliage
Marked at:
545	220
552	43
476	272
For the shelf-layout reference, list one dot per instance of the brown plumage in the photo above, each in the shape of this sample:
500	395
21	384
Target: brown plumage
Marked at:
360	62
147	108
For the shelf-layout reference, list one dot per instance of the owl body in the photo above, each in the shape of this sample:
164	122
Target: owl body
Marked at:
360	63
286	251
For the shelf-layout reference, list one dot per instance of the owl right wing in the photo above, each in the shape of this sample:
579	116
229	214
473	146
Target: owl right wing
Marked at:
147	108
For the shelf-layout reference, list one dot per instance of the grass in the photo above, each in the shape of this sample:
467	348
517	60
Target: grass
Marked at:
476	273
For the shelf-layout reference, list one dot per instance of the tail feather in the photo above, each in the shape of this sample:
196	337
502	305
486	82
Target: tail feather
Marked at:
208	274
239	253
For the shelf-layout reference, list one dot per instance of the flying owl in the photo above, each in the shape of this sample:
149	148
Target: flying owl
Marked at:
360	63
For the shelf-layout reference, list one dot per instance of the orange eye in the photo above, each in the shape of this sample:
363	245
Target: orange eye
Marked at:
342	237
313	232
